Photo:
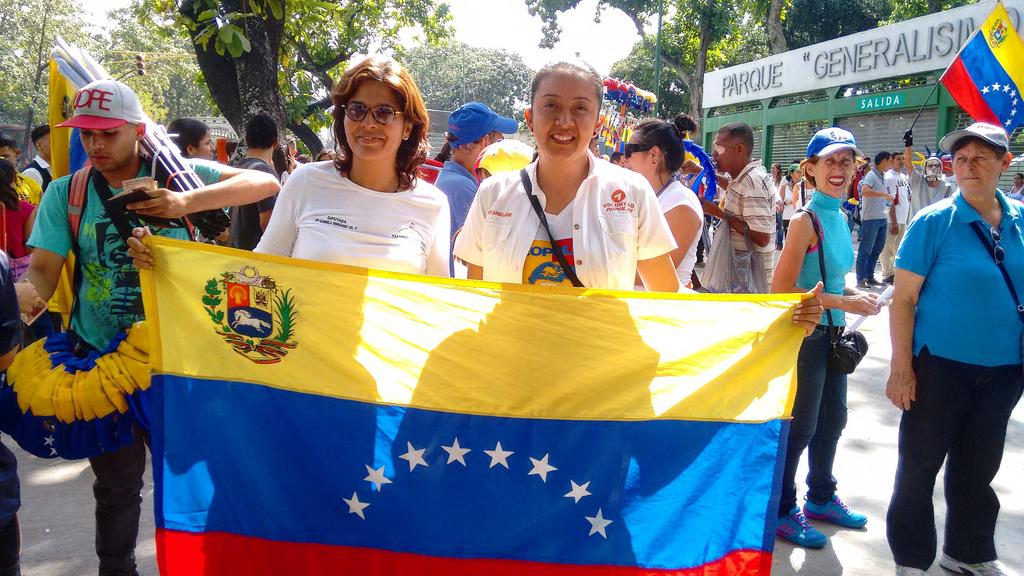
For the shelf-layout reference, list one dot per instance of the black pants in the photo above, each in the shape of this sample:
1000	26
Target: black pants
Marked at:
10	547
961	413
118	492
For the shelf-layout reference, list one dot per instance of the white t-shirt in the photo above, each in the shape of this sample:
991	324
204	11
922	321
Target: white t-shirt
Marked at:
322	216
615	218
898	186
674	196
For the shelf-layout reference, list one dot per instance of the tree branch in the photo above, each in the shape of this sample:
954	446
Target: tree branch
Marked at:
321	104
677	68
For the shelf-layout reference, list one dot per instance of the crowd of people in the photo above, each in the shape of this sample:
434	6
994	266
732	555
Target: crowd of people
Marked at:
496	209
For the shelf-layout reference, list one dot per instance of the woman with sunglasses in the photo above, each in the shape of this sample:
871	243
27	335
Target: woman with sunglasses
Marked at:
604	221
367	208
819	238
956	372
655	150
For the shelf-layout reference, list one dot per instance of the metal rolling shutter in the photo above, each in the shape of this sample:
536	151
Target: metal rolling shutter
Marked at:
758	144
1016	147
789	141
878	132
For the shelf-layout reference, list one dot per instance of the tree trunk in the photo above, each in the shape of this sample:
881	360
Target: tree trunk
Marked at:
27	141
699	66
776	38
245	86
308	137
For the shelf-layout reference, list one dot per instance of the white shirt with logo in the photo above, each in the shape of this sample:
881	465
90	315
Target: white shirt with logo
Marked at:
616	221
322	216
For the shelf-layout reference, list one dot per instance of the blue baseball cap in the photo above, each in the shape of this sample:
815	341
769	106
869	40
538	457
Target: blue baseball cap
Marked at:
828	141
471	122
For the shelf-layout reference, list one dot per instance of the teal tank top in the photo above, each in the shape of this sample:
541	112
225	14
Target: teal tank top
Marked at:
838	252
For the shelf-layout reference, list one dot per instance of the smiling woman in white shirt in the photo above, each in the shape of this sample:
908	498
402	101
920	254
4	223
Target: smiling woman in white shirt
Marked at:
604	220
366	208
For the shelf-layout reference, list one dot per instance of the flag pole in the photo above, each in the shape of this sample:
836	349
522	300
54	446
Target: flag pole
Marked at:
925	103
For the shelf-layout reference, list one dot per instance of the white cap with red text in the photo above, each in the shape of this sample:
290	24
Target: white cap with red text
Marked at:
104	105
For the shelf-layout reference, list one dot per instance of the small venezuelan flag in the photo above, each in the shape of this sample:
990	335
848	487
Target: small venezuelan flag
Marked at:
987	75
319	419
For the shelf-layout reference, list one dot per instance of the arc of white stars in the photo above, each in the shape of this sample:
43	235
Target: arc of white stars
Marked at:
376	477
414	457
499	456
456	453
597	524
578	491
356	507
541	468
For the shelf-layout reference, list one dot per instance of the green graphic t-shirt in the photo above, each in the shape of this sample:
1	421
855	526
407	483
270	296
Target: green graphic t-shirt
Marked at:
109	297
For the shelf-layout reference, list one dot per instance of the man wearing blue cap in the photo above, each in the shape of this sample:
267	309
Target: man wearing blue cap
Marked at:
471	128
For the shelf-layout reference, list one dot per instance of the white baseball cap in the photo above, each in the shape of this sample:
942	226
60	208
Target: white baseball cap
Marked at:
104	105
994	135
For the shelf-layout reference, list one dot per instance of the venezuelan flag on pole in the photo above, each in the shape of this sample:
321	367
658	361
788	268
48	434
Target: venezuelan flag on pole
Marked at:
987	75
318	419
62	92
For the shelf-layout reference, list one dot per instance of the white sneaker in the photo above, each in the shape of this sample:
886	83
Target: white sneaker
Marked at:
991	568
908	571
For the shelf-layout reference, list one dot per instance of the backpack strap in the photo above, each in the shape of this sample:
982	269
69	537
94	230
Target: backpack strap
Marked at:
77	193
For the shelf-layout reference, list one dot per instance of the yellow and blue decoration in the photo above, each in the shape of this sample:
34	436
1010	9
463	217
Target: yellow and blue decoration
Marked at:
57	404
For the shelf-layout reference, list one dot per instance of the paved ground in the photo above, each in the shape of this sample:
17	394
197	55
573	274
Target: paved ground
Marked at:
57	521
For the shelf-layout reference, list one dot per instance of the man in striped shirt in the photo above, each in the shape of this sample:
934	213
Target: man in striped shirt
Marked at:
749	194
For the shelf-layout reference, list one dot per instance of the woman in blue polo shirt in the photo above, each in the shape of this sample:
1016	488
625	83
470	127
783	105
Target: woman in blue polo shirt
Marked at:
819	409
956	359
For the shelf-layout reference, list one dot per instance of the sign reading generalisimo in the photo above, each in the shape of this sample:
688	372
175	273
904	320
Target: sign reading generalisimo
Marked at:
920	45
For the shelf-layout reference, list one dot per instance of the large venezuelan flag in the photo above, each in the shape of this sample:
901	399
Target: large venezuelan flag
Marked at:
987	75
320	419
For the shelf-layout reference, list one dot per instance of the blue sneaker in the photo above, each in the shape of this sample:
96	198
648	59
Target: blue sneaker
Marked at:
797	530
835	512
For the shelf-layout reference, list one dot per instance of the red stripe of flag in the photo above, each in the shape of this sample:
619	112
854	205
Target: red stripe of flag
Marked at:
214	553
962	88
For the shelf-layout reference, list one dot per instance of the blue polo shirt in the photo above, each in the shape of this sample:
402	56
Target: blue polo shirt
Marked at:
459	185
965	311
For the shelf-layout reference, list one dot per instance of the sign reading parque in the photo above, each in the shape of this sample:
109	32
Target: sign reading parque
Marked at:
915	46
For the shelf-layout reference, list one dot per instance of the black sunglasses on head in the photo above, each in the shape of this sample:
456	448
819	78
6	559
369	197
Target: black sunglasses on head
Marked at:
383	114
632	148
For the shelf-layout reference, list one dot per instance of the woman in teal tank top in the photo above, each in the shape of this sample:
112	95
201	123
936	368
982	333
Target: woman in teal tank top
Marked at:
819	409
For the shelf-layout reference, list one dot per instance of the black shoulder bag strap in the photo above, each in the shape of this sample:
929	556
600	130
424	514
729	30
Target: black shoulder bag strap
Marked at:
118	217
568	270
821	263
979	230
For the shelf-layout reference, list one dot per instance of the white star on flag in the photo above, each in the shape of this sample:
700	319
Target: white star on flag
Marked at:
997	86
499	456
541	468
1013	93
48	441
598	524
376	477
1006	88
984	90
356	507
1008	122
414	457
578	491
1013	112
456	452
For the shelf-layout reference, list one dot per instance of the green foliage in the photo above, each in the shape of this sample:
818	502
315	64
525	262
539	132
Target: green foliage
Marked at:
173	85
914	8
638	68
29	28
286	316
452	74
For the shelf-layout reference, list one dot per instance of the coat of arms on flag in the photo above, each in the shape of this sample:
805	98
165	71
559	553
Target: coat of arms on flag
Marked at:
252	314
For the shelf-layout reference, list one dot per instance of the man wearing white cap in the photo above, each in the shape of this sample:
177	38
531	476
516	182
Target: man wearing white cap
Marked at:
107	293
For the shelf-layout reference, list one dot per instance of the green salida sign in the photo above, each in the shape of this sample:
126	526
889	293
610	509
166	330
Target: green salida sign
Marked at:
881	101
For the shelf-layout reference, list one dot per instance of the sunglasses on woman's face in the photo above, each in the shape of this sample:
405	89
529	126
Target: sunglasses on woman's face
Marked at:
632	148
383	114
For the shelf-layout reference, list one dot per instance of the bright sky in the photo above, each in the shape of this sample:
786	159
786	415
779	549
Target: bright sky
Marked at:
506	24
